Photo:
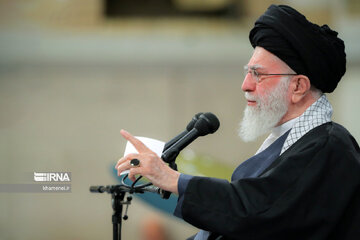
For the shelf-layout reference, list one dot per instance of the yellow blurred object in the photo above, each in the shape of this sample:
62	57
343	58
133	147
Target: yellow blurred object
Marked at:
201	165
202	5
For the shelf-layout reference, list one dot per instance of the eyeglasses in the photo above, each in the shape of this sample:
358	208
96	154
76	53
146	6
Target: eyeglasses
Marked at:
258	76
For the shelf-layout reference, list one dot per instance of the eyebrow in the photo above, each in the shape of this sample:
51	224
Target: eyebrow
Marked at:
253	67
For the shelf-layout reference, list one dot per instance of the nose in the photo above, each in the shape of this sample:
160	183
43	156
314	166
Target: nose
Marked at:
248	84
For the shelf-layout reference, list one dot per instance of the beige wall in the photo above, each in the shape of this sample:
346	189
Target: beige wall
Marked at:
69	81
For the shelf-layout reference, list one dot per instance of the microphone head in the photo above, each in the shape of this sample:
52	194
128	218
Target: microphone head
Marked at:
193	121
207	123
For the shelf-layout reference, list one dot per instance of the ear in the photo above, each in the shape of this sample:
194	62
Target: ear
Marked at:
300	87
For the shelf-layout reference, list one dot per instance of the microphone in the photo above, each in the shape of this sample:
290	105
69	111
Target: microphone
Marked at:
97	189
207	123
188	129
152	189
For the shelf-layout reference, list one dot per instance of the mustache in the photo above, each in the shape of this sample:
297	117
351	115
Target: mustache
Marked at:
250	97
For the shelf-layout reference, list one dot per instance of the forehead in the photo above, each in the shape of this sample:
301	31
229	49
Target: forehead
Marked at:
262	58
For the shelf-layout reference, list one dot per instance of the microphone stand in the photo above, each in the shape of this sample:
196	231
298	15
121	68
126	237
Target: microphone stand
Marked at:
118	193
200	125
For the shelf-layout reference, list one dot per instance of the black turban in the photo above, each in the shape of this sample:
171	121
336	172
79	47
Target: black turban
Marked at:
307	48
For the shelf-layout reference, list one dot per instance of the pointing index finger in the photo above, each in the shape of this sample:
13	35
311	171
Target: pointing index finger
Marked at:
140	146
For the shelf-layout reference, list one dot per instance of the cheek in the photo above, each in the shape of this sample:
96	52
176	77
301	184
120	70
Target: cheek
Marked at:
262	93
265	87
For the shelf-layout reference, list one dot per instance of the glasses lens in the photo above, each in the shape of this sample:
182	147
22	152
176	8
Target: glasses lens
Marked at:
253	73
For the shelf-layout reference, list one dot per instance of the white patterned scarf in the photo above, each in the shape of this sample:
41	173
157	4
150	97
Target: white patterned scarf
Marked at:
318	113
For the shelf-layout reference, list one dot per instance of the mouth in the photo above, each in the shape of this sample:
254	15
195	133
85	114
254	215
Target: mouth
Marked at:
251	99
251	103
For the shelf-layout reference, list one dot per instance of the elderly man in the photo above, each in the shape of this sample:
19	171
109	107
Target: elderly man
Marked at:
304	181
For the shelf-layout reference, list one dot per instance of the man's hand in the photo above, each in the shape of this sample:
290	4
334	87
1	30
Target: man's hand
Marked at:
151	166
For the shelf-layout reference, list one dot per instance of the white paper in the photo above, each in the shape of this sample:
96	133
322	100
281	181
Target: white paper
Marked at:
153	144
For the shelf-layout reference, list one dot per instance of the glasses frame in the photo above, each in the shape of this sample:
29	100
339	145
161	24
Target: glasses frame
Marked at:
257	76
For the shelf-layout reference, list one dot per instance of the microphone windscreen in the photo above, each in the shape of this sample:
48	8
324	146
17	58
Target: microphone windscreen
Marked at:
193	121
207	123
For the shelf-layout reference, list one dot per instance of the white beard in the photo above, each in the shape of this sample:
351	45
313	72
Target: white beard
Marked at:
267	112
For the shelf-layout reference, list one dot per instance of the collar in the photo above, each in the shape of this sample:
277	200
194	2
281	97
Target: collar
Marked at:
276	133
283	128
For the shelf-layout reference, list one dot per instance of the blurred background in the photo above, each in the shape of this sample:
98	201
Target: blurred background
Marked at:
73	73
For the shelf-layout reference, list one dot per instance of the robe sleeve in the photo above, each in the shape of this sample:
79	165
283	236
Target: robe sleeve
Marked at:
304	195
182	185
